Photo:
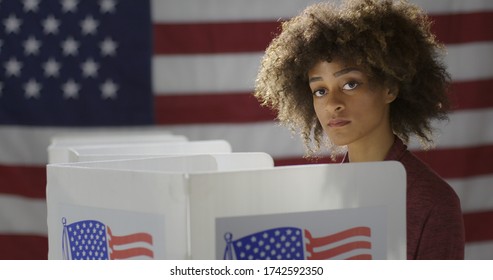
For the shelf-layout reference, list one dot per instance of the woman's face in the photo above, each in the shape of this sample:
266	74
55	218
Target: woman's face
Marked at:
349	108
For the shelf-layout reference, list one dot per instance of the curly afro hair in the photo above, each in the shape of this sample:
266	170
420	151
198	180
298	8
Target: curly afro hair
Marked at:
391	41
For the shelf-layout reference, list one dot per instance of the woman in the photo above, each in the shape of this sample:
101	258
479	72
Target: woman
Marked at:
368	75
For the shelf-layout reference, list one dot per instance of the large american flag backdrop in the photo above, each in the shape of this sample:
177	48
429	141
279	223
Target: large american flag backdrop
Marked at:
189	67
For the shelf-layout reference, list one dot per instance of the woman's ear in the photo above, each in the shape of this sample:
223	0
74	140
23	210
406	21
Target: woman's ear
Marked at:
391	94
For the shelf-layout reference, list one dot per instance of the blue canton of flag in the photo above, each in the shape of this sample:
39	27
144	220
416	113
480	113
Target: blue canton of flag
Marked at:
75	63
279	243
86	240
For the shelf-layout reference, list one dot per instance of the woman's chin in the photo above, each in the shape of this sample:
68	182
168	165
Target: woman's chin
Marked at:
339	141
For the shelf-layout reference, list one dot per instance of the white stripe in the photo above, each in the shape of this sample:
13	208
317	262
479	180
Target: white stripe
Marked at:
22	215
196	74
21	145
454	6
472	61
224	10
253	137
464	129
479	251
240	10
475	193
25	145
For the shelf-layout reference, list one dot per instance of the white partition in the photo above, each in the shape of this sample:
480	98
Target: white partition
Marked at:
207	207
183	163
145	203
338	211
121	151
108	136
60	145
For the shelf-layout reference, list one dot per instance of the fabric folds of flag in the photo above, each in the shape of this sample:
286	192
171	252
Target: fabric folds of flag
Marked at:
204	55
93	240
291	243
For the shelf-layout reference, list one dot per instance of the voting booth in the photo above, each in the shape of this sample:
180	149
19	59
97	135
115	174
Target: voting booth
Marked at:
135	208
225	206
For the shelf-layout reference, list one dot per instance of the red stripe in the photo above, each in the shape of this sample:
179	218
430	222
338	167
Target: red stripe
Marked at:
479	226
27	181
210	108
471	95
243	107
300	160
322	241
117	254
361	257
449	163
23	247
459	162
254	36
130	253
327	254
30	181
463	28
131	238
314	243
213	37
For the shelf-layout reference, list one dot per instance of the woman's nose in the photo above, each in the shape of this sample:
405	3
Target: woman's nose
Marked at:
334	102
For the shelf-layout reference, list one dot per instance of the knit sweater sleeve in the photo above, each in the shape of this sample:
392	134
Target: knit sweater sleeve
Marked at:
435	226
442	236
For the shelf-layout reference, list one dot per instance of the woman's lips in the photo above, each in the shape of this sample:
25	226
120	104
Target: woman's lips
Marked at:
338	123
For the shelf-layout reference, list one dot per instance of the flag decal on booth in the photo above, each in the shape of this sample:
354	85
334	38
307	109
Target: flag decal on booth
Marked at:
93	240
291	243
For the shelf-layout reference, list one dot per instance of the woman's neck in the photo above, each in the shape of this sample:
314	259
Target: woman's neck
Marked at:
375	149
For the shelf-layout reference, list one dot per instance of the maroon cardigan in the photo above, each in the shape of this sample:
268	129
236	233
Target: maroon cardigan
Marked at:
435	227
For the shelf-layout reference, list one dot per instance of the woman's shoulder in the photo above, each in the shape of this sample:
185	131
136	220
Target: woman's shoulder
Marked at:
425	183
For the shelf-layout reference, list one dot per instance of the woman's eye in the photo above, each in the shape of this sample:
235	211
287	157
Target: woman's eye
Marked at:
350	85
320	92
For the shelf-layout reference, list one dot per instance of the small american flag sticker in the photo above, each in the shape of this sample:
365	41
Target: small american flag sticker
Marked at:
93	240
292	243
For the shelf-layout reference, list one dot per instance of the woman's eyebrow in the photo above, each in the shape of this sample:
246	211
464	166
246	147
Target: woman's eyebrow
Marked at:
315	79
345	71
336	74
